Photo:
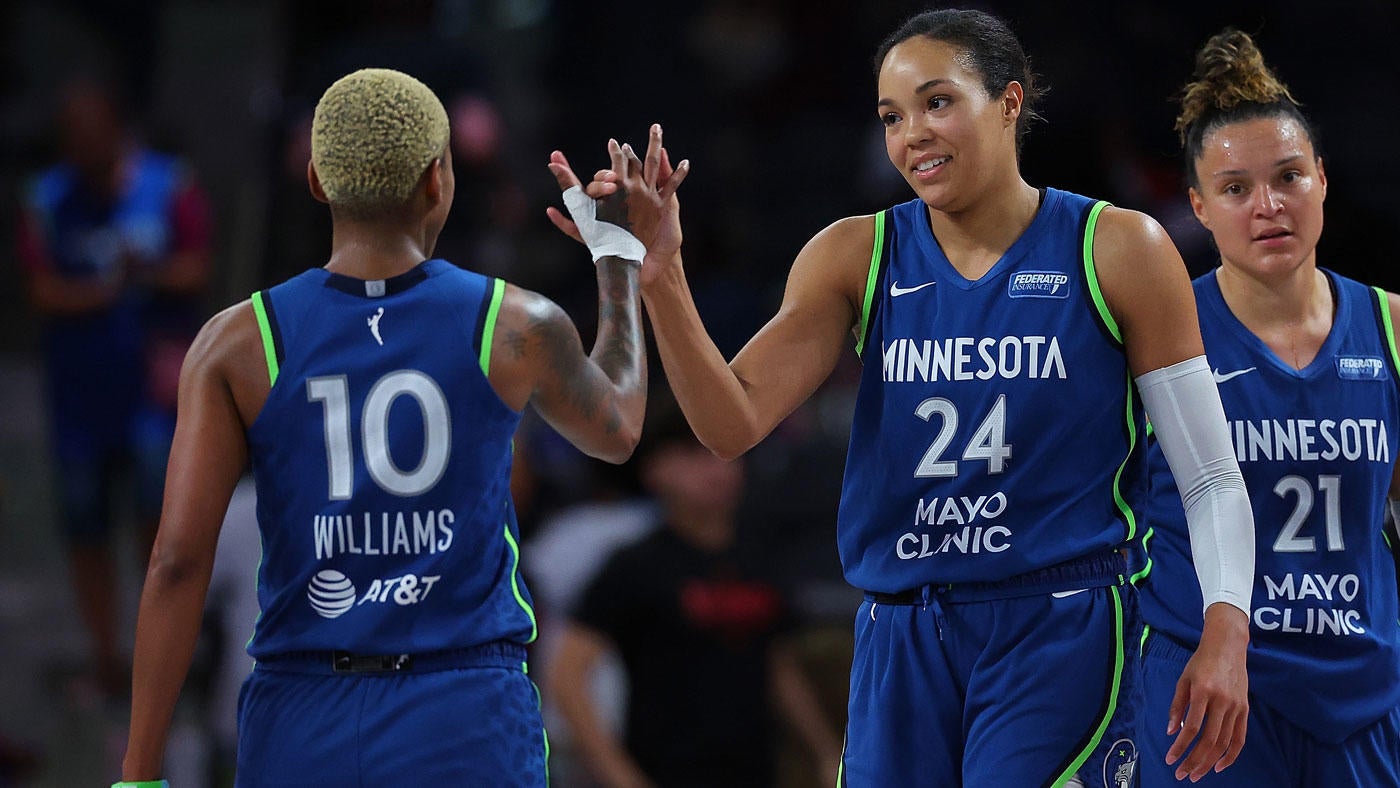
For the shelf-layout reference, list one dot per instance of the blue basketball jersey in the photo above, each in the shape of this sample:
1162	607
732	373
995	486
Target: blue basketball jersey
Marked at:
1317	449
382	460
997	430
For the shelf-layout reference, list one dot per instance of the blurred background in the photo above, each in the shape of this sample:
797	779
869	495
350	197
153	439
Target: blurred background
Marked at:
205	106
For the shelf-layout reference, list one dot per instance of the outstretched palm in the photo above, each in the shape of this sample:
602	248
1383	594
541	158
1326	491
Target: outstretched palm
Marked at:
638	195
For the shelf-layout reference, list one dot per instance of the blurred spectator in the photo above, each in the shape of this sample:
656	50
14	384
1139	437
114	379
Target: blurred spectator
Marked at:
700	633
115	242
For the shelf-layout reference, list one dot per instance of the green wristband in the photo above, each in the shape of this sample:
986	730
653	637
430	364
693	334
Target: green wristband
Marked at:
142	784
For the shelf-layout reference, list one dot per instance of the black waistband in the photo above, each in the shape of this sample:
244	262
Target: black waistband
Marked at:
1095	571
500	654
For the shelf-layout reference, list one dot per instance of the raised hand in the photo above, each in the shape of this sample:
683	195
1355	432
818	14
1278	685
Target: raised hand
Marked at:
635	194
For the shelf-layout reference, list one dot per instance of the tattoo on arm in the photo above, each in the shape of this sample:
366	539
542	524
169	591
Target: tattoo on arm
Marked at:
600	387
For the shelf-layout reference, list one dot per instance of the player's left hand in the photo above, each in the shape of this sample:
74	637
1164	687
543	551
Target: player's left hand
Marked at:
1211	705
648	187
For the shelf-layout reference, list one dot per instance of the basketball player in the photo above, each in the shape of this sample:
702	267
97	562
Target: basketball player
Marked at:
375	399
1306	364
1011	337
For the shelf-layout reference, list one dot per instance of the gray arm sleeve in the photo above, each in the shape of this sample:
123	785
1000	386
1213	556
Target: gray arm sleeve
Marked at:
1189	422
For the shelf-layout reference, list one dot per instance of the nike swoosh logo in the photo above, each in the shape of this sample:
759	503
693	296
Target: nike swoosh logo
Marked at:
1063	594
897	291
1221	377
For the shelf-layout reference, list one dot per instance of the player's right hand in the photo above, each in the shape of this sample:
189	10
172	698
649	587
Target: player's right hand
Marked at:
639	195
1211	705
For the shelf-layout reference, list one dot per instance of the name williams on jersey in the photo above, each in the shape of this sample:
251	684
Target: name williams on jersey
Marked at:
387	533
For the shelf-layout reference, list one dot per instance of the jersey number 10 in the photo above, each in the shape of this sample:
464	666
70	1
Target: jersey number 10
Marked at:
333	392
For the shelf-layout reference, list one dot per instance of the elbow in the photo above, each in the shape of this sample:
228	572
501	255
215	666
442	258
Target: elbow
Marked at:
729	445
728	452
728	449
620	445
170	569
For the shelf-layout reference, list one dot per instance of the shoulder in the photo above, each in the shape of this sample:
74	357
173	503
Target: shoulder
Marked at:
228	353
533	341
231	333
1132	253
1121	232
851	238
526	310
837	260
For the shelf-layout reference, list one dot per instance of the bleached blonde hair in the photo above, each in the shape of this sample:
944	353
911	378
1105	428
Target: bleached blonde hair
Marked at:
374	133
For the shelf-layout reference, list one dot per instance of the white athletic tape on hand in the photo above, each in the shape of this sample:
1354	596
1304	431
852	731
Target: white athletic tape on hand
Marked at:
604	239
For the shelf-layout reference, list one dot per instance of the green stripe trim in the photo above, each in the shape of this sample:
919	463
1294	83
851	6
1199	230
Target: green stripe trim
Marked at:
1091	274
1389	326
265	329
1083	756
876	253
841	765
545	733
539	705
1146	570
488	330
1123	507
1142	641
515	583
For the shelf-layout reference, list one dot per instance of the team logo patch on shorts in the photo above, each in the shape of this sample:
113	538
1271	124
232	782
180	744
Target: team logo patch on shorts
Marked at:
1038	284
1120	764
1360	368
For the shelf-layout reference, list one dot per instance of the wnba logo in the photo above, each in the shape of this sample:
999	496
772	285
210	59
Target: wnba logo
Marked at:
330	593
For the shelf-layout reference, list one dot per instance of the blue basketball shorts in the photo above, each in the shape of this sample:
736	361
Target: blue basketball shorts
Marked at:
463	721
1008	684
1276	753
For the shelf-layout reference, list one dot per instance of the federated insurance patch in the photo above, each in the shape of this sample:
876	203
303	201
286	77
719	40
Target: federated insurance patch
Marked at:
1039	284
1361	367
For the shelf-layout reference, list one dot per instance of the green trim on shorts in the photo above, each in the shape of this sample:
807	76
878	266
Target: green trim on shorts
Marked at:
265	330
1142	641
1083	756
1091	275
515	584
876	253
841	765
539	704
545	733
488	329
